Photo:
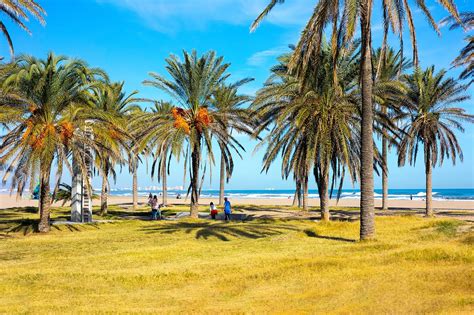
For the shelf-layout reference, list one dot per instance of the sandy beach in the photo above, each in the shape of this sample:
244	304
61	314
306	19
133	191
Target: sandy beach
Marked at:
7	201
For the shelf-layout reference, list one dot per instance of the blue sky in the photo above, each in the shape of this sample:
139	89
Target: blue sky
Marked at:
129	38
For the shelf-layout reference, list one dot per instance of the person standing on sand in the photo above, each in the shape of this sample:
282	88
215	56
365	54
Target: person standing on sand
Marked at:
213	209
227	209
154	208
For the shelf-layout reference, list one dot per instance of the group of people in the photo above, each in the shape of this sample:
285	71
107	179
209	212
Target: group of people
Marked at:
156	208
227	210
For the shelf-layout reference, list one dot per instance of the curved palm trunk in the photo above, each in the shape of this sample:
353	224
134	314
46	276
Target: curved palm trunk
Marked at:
195	162
323	186
44	198
222	180
164	180
135	186
384	174
305	193
367	213
104	192
429	189
297	196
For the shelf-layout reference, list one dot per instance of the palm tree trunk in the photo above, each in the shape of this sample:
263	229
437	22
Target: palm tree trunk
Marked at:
164	179
195	161
323	186
135	185
104	193
384	173
367	213
429	188
44	198
222	180
305	193
300	195
297	196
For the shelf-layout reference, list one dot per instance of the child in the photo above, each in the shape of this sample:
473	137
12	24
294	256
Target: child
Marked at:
213	210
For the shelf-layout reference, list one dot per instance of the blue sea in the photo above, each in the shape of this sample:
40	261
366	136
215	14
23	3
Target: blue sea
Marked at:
398	194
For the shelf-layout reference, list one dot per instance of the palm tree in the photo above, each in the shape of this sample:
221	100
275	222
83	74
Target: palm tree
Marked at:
228	102
341	17
110	98
389	65
162	145
466	56
50	125
316	124
193	82
134	152
18	12
431	122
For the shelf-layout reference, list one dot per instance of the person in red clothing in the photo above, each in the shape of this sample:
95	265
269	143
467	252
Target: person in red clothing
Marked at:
213	210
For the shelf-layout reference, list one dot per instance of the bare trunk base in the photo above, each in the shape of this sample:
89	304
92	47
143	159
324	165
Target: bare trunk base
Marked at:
384	174
135	188
195	160
429	187
104	196
44	201
305	194
222	180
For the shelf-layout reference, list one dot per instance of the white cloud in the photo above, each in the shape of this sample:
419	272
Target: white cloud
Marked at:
169	16
261	57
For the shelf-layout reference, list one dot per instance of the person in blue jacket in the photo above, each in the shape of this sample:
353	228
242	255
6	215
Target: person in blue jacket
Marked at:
227	209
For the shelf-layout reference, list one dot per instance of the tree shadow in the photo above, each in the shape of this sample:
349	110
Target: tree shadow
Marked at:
311	233
24	226
127	214
74	227
19	210
222	231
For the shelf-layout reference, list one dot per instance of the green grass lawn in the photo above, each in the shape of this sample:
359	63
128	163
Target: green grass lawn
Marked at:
417	265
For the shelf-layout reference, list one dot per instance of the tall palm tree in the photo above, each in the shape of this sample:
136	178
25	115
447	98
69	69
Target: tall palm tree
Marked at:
228	102
466	56
192	83
135	152
341	17
432	121
50	125
388	65
18	12
110	98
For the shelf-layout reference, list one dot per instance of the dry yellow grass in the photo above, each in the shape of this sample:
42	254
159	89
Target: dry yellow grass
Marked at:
417	265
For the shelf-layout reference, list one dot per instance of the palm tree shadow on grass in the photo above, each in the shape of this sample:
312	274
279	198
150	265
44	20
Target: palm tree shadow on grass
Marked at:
29	226
222	231
24	226
311	233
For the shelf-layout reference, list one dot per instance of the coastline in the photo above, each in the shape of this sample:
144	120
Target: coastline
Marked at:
7	201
